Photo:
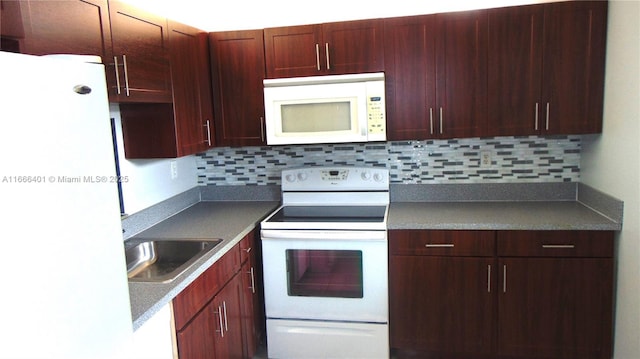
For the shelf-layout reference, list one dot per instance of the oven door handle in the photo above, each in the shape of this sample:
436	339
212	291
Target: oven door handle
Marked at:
275	234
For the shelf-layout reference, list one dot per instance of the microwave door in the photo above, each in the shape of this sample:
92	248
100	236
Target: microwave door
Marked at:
316	114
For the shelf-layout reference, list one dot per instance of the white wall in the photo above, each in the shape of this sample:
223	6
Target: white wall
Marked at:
611	163
147	182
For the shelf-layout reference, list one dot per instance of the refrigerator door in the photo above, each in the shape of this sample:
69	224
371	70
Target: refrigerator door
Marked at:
65	289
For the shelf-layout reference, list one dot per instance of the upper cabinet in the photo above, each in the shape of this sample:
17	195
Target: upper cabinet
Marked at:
324	49
140	56
237	71
436	76
546	68
84	28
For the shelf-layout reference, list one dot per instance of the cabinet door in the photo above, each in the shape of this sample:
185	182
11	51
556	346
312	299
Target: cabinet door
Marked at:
461	86
555	307
410	77
442	304
237	66
196	340
191	88
293	51
227	308
573	66
353	47
67	27
140	48
253	318
515	70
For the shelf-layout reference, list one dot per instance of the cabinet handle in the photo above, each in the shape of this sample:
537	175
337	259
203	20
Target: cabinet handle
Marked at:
126	74
219	313
208	126
443	245
440	120
547	121
556	246
318	57
262	125
536	121
326	49
226	320
431	119
489	278
115	63
504	278
253	281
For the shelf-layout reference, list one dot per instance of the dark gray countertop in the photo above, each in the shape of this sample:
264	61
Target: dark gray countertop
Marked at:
556	215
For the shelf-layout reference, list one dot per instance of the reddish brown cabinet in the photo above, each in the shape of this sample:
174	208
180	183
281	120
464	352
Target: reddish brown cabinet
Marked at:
546	68
442	288
41	29
556	294
323	49
237	71
504	294
253	317
140	56
436	76
191	81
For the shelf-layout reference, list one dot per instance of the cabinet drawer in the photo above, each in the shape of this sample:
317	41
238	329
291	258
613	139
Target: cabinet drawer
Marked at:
555	243
199	292
247	246
442	243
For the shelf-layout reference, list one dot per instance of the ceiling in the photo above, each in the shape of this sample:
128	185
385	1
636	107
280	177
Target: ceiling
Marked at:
258	14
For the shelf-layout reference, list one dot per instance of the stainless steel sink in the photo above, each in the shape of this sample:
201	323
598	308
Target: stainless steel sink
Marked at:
163	260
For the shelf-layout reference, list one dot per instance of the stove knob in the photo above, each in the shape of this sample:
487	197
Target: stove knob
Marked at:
378	177
290	177
366	175
302	176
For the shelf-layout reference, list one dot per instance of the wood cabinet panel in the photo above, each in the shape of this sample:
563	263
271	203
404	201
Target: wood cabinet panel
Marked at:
442	304
436	76
195	341
237	66
546	68
324	49
442	243
67	27
140	48
573	66
228	309
556	307
193	298
191	81
555	243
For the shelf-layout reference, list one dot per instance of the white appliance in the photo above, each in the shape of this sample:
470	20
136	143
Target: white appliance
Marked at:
325	265
65	289
325	109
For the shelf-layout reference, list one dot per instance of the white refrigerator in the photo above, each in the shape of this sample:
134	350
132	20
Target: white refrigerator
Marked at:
62	267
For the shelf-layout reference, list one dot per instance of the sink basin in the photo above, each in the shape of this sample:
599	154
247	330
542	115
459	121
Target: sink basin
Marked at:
163	260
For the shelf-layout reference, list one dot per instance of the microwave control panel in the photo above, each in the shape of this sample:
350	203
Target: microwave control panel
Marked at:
376	119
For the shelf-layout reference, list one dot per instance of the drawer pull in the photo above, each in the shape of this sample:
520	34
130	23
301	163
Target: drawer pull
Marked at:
558	246
444	245
489	278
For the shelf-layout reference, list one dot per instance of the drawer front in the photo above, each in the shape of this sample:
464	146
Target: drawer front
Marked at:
555	244
194	297
247	246
442	243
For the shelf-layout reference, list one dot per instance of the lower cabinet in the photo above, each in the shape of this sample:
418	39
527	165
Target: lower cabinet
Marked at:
504	294
212	316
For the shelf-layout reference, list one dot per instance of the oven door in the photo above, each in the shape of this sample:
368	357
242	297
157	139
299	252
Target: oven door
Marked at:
326	275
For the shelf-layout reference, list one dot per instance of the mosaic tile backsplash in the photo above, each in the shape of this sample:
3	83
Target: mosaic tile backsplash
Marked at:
506	159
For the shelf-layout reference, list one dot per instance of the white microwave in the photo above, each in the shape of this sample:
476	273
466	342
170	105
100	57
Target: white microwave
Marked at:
325	109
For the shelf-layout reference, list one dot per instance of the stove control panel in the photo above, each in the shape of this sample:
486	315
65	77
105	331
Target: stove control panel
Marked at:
335	179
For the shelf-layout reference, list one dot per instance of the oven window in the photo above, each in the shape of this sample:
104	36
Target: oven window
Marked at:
324	273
